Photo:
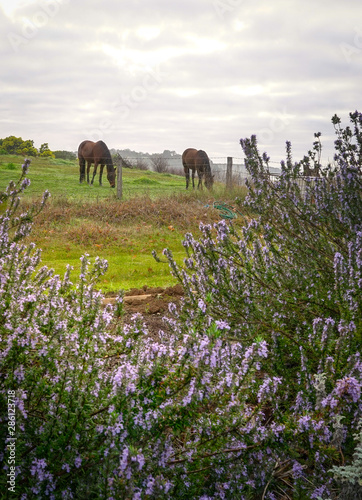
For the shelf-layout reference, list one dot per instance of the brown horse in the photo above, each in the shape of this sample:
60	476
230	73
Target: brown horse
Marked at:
97	153
197	160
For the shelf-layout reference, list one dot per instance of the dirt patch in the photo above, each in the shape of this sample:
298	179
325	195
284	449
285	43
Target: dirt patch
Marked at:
151	303
152	300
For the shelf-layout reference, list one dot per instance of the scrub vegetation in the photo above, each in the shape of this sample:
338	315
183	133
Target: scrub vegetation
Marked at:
252	392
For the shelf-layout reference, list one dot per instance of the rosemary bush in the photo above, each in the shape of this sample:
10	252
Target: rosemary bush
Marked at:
290	280
255	393
102	410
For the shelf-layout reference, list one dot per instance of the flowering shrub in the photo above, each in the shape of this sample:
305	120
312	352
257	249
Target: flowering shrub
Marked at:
102	410
255	393
290	280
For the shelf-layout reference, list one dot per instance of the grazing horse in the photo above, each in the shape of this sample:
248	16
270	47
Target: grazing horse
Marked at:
97	153
197	160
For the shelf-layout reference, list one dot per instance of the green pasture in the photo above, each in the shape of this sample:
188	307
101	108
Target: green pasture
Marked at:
71	225
127	248
61	178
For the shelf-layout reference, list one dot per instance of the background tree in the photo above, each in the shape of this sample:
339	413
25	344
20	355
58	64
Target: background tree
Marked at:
65	155
45	151
160	164
16	146
142	164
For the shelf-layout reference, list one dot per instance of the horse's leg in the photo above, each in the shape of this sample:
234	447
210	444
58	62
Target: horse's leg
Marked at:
100	173
193	178
199	186
187	175
88	169
81	170
94	170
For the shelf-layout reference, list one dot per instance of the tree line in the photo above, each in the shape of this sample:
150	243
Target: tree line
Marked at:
128	158
17	146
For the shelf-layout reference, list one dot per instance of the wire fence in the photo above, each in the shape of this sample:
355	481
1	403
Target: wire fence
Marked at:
174	165
228	170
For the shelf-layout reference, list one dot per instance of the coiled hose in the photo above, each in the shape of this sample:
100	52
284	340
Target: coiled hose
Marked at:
225	211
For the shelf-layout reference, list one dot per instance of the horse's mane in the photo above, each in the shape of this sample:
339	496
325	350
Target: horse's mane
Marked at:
105	149
106	154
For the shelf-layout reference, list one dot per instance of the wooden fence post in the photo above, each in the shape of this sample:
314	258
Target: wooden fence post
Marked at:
119	181
229	173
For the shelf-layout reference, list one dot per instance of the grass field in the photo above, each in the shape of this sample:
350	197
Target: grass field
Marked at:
155	212
61	177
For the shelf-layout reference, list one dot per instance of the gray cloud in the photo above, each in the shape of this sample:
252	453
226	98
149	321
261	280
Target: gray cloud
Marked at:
153	75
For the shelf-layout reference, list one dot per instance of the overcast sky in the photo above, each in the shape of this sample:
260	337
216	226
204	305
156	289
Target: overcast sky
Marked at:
151	75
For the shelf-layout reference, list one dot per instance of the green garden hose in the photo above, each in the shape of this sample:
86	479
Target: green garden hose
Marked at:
225	211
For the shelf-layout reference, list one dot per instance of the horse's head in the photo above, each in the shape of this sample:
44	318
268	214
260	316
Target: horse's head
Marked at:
111	176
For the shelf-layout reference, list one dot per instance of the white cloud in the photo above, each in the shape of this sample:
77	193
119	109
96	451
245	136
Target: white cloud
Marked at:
154	75
148	32
10	7
248	90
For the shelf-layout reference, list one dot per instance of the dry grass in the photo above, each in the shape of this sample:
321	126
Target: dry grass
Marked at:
182	212
92	234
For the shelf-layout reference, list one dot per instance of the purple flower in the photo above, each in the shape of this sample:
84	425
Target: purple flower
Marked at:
202	305
222	325
349	387
304	423
297	470
38	469
268	388
263	349
141	460
124	460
